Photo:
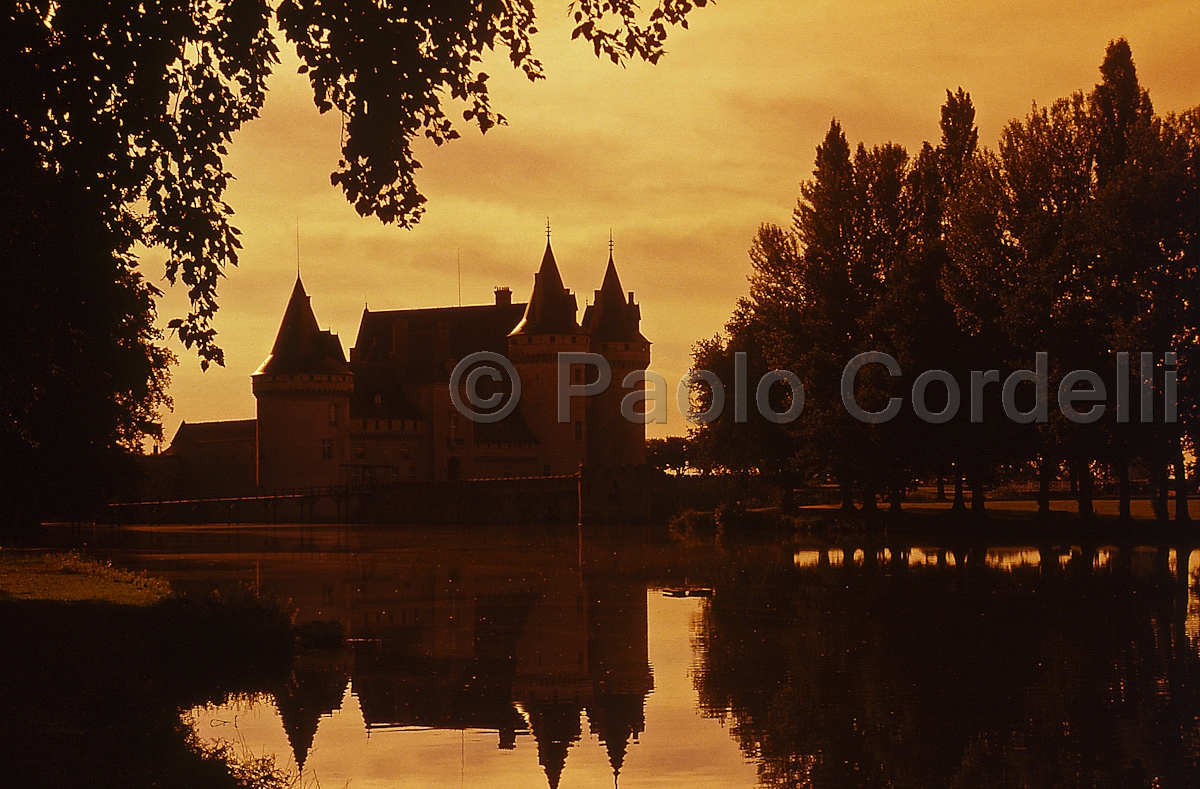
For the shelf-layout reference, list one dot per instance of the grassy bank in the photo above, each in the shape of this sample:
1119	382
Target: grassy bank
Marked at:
70	577
98	662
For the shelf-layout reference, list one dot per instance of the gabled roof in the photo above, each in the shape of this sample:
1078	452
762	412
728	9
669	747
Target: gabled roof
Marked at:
551	307
301	346
611	318
379	394
192	433
480	327
435	338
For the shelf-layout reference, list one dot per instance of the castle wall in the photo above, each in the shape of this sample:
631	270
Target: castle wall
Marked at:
562	447
612	439
388	450
303	430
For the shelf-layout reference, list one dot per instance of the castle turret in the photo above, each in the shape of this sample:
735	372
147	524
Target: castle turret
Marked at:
549	328
612	324
303	399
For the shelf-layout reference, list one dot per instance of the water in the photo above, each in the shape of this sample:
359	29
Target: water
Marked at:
550	657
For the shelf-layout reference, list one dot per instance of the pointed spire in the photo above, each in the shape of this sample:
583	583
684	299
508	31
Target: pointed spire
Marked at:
555	727
614	718
301	346
611	318
552	307
308	694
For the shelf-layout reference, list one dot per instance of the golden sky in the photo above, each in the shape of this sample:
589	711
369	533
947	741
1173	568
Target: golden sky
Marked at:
682	161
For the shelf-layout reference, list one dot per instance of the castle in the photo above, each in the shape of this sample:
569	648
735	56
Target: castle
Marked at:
386	414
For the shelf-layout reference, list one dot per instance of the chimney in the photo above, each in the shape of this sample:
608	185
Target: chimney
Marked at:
503	297
631	297
399	355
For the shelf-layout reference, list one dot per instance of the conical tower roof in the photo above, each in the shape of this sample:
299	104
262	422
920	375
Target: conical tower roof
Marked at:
555	727
552	307
301	346
308	694
614	719
611	318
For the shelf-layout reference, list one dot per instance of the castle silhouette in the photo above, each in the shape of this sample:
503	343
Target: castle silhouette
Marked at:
386	414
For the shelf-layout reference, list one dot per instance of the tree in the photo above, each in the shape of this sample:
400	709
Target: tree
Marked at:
753	445
114	123
668	454
1076	237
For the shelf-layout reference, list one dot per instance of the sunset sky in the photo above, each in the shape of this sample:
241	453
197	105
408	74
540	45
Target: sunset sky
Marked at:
682	161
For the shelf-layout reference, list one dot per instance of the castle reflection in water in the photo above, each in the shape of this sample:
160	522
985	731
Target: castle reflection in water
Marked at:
831	663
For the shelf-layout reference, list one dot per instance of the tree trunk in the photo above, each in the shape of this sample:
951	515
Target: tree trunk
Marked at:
868	495
1081	474
896	499
978	498
1125	513
1161	488
959	501
1045	477
1181	492
787	498
847	491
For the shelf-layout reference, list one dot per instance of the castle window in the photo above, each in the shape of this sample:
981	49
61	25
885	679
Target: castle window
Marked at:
333	414
376	424
572	339
360	451
454	428
627	346
546	470
379	397
405	451
552	338
578	376
326	449
578	431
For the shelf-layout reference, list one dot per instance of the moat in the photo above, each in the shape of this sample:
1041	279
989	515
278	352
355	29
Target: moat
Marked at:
579	657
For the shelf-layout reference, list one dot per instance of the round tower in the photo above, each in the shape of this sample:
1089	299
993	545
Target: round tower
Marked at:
302	392
547	329
612	323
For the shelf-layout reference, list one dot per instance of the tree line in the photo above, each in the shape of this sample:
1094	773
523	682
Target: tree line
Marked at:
1074	237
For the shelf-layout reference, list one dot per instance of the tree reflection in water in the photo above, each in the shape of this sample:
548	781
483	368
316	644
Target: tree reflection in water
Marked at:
1067	672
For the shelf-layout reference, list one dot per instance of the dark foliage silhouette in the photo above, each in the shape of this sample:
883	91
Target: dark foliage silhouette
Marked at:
1076	237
